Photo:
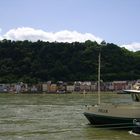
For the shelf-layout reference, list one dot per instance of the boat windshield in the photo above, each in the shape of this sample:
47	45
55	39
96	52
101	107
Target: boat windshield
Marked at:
136	97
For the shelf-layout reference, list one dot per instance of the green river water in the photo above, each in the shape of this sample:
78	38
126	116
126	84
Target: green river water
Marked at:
54	117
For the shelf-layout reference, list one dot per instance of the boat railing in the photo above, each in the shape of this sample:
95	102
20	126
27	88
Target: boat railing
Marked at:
135	97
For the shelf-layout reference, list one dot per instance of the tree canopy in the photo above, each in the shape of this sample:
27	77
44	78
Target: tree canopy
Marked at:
40	61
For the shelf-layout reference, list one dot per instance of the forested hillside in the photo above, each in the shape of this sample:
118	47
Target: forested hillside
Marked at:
42	61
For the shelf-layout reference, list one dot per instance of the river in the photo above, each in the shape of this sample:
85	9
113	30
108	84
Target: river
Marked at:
54	117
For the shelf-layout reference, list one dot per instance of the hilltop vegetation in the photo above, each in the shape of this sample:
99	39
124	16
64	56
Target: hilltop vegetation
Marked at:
40	61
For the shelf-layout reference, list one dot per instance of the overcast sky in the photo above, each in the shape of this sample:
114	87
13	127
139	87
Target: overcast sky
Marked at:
115	21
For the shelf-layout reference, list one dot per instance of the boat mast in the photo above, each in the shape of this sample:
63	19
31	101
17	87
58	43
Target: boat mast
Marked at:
99	71
103	43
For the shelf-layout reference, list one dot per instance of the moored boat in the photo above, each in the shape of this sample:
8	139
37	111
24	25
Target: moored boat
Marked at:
113	115
136	127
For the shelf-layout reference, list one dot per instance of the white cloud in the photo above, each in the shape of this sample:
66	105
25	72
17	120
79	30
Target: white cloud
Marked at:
26	33
0	34
132	47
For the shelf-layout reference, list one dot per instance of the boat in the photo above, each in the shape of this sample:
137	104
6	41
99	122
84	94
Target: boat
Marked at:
114	115
136	127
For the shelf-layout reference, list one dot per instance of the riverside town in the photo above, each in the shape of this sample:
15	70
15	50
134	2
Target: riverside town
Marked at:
66	87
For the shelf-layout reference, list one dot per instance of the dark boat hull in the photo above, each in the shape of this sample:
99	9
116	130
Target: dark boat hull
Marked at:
109	121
